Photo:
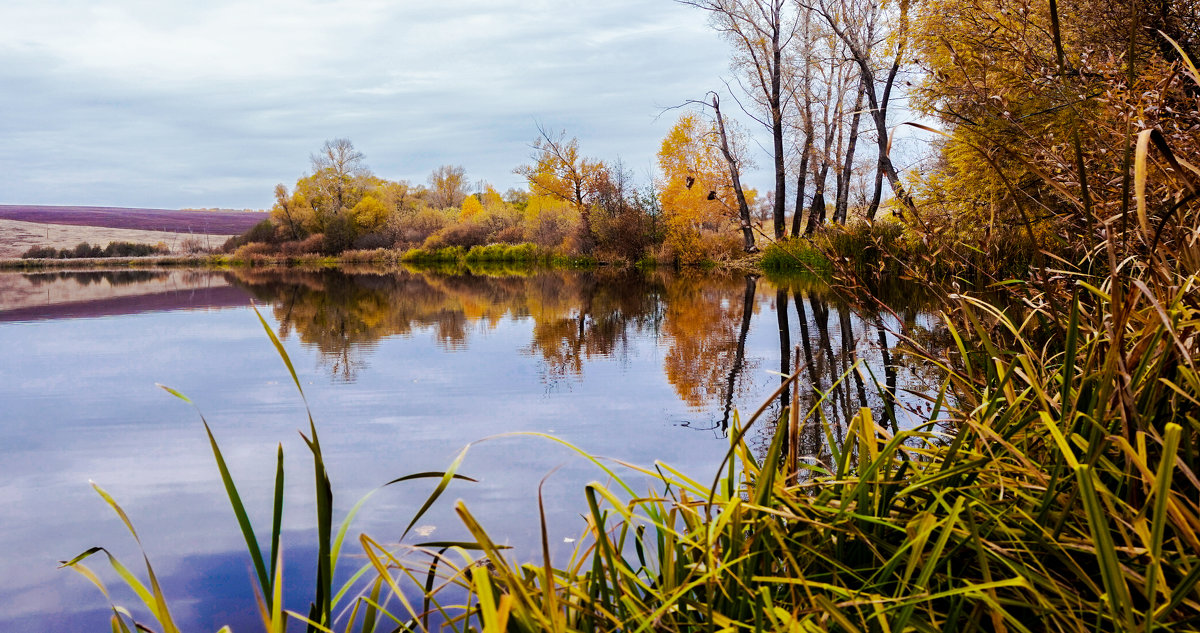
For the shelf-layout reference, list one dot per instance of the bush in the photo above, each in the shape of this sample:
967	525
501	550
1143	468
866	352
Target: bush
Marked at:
415	228
264	232
372	241
509	235
452	254
130	249
40	252
84	250
308	245
377	255
192	245
254	250
465	234
340	234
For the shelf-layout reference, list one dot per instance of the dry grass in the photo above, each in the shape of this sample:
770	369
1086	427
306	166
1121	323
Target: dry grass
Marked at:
16	237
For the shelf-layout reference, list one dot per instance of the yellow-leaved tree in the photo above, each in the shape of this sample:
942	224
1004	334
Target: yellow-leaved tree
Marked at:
699	204
471	207
559	172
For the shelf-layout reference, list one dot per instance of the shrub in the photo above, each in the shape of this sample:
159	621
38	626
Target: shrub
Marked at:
463	234
192	245
84	250
510	235
254	251
310	244
372	241
264	232
415	228
40	252
450	254
340	234
130	249
376	255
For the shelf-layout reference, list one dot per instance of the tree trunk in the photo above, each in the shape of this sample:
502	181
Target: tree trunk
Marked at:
734	175
841	206
816	213
777	124
806	152
800	184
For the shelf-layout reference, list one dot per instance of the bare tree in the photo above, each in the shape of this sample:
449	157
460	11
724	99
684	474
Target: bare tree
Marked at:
735	177
448	186
761	30
806	127
341	163
842	205
853	22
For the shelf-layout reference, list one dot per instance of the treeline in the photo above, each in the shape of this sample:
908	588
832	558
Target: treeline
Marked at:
574	206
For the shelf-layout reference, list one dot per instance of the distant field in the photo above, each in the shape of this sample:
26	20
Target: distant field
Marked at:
161	220
16	237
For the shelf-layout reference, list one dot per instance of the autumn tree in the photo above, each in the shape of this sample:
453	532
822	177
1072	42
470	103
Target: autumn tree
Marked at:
623	220
1039	101
560	172
338	182
339	176
290	211
697	193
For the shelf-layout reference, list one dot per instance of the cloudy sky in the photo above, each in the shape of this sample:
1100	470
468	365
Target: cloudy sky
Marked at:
167	103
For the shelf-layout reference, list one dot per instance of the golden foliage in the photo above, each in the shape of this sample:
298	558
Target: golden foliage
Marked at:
696	191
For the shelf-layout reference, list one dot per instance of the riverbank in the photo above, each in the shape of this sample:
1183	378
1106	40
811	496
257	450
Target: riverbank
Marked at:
494	254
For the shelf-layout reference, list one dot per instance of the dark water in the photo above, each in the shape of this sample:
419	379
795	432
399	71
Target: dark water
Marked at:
401	371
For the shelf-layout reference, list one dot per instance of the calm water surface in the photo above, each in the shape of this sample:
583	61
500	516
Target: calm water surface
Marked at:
401	371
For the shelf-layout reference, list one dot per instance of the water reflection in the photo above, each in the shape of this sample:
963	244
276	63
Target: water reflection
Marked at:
847	355
73	294
703	319
402	368
576	315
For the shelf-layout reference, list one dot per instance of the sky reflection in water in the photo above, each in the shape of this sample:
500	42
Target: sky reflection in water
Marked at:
401	371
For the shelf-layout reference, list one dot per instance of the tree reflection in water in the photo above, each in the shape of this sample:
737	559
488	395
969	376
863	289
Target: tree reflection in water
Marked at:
704	321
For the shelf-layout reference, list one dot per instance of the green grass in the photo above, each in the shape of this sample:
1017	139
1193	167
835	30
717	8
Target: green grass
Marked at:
795	256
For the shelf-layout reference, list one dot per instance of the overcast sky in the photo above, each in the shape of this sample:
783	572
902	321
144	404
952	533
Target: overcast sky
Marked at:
173	104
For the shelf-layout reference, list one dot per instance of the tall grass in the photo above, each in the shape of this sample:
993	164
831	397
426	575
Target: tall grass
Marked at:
1058	493
1053	487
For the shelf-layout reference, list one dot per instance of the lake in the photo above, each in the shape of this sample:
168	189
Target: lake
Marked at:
401	370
